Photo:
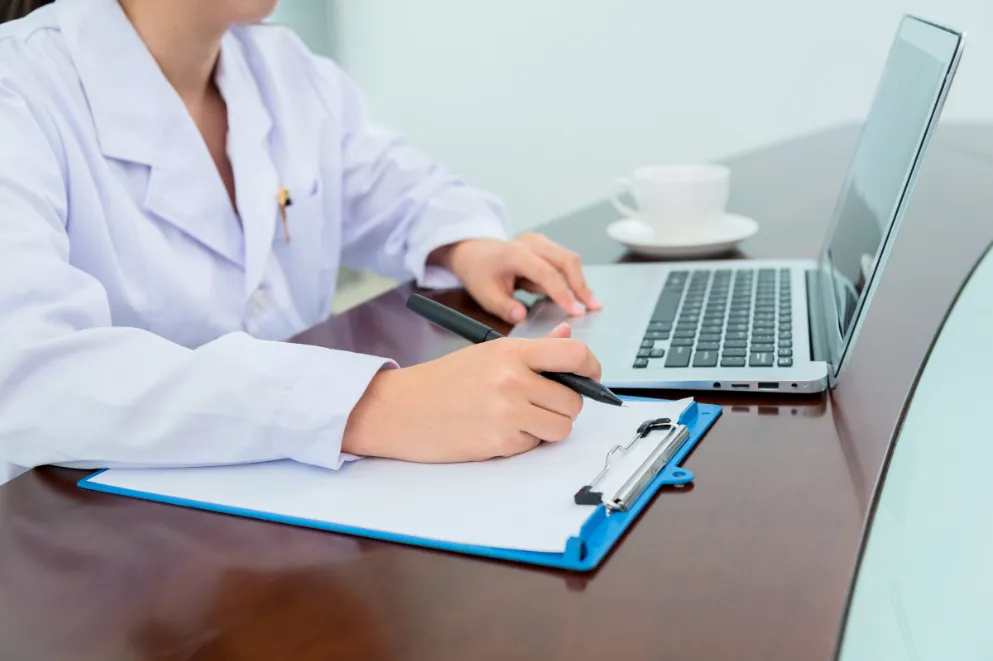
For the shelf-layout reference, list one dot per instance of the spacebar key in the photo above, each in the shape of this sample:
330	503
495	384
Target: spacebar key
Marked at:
666	306
679	357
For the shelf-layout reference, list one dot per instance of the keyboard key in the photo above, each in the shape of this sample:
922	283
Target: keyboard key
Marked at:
763	337
733	353
786	344
657	335
732	362
710	337
785	362
735	344
736	336
666	306
641	362
762	348
711	329
682	342
708	346
785	326
647	344
683	326
705	359
735	328
785	336
735	318
685	333
760	360
678	357
657	353
644	353
764	323
786	353
660	325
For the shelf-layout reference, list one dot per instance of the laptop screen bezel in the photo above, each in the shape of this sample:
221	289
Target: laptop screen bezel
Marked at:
839	340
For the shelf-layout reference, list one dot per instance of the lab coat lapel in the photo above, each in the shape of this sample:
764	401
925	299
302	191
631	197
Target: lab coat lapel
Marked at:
256	176
145	122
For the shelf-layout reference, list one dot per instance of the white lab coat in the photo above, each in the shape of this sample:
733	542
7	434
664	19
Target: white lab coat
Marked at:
139	314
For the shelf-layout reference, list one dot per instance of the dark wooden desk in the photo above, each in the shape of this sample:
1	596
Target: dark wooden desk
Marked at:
752	562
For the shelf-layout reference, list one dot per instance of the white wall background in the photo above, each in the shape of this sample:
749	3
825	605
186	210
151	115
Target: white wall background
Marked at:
309	18
545	101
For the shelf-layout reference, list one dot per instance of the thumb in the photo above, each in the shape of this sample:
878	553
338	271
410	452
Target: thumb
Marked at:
563	330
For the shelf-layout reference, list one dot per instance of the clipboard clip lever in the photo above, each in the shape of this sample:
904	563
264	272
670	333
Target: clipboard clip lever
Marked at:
586	495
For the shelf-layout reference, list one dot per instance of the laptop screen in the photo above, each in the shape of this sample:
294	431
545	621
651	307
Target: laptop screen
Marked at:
907	98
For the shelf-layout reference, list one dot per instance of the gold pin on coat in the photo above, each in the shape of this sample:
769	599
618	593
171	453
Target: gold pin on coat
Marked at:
283	197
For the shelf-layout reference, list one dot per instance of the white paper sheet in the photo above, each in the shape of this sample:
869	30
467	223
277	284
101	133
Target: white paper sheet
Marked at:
523	502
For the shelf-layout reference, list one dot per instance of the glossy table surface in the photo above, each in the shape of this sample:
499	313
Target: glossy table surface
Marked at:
753	561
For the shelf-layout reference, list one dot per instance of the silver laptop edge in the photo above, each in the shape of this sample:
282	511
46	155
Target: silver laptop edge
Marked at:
821	346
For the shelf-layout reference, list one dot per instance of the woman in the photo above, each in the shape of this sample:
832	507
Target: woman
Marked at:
150	259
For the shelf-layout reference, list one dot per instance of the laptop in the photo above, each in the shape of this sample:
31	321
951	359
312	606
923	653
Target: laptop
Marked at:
776	325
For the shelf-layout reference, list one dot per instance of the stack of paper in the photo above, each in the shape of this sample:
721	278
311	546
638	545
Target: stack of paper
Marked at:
523	502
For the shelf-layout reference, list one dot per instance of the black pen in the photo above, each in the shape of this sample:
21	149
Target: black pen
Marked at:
475	332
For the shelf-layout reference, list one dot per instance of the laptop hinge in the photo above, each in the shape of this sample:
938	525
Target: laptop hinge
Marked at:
815	317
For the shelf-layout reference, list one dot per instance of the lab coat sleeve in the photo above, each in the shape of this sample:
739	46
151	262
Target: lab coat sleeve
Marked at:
77	391
398	204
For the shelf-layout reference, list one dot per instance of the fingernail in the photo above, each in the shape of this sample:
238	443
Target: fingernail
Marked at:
517	315
595	302
578	308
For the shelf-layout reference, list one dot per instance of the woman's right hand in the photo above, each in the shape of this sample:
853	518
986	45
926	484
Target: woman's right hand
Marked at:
483	401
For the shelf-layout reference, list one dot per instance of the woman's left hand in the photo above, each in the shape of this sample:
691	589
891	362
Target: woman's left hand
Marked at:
491	270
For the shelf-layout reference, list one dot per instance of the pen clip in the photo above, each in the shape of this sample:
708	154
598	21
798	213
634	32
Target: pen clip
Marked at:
284	200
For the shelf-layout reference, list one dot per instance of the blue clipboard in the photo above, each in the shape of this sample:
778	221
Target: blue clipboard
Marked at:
583	553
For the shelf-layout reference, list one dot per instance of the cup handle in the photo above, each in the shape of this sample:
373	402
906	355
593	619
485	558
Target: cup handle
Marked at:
623	185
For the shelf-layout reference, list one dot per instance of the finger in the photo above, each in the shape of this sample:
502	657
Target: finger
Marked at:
538	270
559	355
496	297
570	265
561	331
528	442
552	396
546	425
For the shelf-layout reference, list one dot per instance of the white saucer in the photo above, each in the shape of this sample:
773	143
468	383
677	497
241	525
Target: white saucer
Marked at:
689	241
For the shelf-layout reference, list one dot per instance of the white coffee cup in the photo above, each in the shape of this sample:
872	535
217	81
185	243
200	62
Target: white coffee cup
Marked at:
675	195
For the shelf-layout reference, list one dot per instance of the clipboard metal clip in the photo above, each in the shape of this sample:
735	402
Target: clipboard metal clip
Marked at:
643	476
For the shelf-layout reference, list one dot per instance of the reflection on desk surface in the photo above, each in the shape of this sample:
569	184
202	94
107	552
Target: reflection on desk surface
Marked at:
923	590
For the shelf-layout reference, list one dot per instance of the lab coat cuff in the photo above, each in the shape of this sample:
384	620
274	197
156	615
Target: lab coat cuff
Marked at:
430	276
322	396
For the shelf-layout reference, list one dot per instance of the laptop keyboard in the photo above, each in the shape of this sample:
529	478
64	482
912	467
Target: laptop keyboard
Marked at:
725	317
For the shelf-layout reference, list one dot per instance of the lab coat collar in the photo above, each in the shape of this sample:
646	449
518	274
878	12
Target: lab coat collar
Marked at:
129	97
140	118
256	176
